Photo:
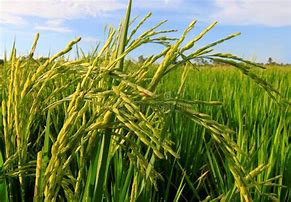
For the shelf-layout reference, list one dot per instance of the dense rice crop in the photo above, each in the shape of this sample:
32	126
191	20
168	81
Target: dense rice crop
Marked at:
262	131
99	128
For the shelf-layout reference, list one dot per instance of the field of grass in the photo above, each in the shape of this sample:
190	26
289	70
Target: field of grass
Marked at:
101	128
262	130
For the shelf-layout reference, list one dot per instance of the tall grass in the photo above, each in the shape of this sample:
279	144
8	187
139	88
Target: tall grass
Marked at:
94	129
262	128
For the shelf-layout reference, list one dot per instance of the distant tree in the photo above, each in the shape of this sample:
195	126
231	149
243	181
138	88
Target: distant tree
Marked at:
43	59
270	61
141	59
202	62
216	63
1	62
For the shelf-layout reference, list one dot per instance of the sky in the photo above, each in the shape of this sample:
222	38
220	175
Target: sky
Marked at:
265	25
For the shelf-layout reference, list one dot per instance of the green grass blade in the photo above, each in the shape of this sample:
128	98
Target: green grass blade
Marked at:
123	35
3	185
101	167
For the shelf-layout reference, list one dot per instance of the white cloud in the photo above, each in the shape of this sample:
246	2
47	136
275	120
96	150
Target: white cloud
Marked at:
248	12
15	11
6	18
157	4
55	25
90	39
12	11
166	1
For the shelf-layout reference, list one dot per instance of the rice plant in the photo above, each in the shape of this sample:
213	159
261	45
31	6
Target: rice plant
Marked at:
94	129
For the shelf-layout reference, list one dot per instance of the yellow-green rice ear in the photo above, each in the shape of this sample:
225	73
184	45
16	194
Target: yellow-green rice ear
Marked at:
34	45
